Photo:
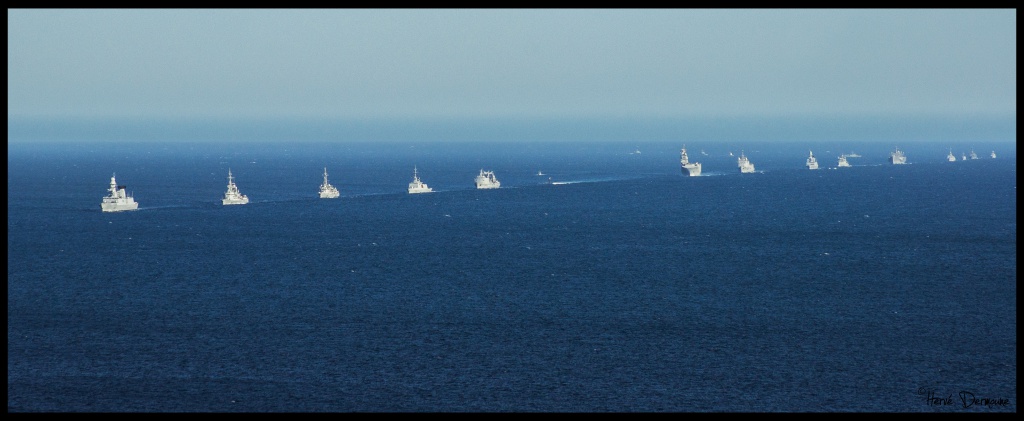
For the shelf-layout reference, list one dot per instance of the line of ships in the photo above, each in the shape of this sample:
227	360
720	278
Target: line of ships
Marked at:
120	200
897	157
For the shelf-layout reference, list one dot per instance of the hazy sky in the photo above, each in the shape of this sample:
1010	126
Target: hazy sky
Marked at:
509	63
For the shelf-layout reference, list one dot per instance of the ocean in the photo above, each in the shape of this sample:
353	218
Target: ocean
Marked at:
611	283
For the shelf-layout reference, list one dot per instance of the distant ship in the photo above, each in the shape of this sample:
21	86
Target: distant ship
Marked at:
703	153
963	157
973	155
486	180
118	199
327	191
993	154
897	157
812	162
417	186
744	164
691	169
951	157
843	162
852	155
540	173
233	196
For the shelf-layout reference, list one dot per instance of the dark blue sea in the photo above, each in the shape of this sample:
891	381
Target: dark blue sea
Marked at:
610	283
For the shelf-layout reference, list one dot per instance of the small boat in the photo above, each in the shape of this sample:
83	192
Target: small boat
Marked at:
327	191
993	154
417	186
744	164
118	200
691	169
812	162
703	153
233	196
843	162
963	156
973	155
540	173
951	157
486	180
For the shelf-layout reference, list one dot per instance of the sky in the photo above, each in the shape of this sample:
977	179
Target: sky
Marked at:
509	63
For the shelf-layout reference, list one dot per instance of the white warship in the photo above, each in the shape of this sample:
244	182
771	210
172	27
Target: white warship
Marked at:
233	196
118	200
897	157
691	169
812	162
744	164
843	162
417	186
327	191
486	180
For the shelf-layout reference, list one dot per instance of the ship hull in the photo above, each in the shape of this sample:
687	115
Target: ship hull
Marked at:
691	170
119	207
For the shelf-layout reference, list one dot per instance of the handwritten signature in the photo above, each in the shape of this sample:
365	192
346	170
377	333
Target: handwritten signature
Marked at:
964	399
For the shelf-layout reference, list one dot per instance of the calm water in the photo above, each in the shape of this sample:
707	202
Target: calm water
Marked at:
624	287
